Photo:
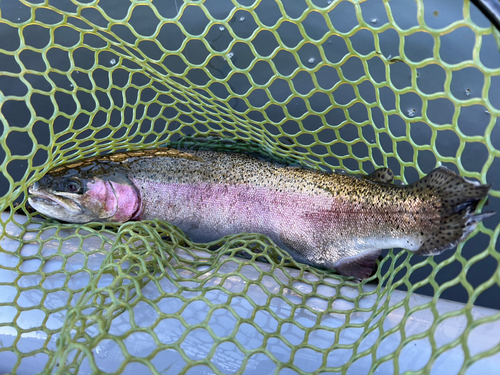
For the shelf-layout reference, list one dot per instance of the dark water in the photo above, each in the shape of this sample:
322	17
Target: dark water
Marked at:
456	46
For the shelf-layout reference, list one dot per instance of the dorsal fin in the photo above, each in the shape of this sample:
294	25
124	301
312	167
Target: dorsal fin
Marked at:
383	175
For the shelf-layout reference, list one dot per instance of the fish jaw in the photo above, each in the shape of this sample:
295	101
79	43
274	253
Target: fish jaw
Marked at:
50	203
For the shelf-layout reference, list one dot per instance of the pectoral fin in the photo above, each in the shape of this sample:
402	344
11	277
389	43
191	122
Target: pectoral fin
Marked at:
360	266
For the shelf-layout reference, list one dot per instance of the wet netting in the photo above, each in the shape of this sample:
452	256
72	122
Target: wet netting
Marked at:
350	85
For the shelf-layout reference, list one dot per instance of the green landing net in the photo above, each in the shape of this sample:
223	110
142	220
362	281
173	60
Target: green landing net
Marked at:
352	85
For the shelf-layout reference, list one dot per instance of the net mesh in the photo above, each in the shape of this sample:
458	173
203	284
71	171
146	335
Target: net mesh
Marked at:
340	84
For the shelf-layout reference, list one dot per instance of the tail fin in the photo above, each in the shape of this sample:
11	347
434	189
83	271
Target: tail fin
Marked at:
459	200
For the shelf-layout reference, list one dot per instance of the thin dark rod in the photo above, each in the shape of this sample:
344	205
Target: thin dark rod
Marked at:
491	9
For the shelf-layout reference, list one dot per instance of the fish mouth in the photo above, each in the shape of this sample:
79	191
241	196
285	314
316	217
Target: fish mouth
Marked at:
41	198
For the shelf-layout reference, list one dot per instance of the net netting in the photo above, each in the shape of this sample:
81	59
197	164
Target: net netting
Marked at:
352	85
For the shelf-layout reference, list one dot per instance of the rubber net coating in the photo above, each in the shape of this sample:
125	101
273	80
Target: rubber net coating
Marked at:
343	84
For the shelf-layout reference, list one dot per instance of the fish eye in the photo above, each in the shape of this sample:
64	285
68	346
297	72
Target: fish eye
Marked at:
72	186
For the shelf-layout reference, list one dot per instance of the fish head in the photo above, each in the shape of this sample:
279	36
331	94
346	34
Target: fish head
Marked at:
74	198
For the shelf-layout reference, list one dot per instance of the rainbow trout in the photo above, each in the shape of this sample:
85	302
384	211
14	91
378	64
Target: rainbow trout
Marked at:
334	221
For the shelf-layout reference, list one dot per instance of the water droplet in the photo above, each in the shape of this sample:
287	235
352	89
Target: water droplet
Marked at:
467	92
241	19
374	20
222	28
101	351
488	112
230	55
411	112
329	1
71	85
112	61
311	60
388	57
329	42
19	18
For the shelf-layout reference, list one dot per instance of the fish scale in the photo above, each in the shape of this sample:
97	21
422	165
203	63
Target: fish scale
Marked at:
328	220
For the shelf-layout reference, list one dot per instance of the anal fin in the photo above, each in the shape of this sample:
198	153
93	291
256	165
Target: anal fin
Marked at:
360	266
